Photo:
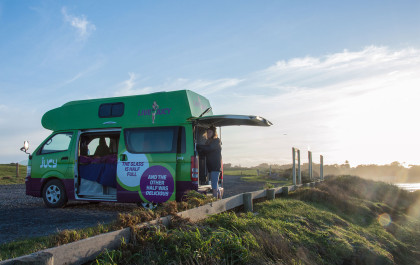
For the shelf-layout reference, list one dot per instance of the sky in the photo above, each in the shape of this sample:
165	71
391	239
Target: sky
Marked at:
339	78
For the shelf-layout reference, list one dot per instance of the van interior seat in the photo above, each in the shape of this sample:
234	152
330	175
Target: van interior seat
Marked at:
102	149
102	170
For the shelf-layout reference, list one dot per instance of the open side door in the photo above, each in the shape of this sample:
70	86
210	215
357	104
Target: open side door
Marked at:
231	120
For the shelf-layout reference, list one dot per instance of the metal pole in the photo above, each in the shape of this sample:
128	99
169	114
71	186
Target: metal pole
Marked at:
321	169
310	164
294	165
299	172
17	170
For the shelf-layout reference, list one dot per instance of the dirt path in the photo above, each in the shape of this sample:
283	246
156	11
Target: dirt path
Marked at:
23	216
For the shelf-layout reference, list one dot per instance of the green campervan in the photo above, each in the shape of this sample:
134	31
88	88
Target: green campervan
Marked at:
125	149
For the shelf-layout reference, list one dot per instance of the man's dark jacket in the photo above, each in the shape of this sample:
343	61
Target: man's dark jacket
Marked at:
213	153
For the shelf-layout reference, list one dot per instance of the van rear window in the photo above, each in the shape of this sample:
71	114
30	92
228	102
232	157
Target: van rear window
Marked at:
111	110
153	140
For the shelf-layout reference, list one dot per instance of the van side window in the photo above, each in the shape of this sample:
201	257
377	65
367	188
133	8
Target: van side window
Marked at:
152	140
58	143
181	140
111	110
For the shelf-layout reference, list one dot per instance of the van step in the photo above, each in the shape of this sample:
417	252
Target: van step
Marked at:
204	188
98	197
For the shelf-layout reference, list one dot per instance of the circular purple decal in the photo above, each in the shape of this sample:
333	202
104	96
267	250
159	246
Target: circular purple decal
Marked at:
157	184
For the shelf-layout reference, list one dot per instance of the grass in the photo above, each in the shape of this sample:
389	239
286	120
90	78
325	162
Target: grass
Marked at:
339	222
240	172
139	215
31	245
251	175
344	220
267	179
8	174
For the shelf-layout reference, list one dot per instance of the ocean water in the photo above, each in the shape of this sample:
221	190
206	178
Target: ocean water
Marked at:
409	186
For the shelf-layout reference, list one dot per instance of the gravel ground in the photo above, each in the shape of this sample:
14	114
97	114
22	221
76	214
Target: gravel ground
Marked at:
234	185
23	216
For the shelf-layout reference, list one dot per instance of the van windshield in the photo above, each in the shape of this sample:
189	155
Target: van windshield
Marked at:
151	140
58	143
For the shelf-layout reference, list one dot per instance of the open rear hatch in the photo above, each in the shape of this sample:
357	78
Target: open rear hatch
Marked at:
220	121
231	120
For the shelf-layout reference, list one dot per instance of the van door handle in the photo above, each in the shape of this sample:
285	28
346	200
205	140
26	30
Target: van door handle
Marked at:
65	158
123	157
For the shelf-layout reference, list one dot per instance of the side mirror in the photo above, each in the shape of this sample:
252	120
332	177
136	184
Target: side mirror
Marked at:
25	147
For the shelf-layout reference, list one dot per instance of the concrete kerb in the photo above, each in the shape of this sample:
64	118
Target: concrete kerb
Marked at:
82	251
202	212
78	252
85	250
259	194
285	191
38	258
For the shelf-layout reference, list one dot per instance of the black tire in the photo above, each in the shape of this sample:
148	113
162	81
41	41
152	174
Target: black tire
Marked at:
54	194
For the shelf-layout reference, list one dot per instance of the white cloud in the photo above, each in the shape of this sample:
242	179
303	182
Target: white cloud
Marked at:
132	86
81	74
126	87
83	27
360	106
352	105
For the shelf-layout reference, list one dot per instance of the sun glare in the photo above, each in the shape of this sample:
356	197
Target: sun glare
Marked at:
378	126
384	219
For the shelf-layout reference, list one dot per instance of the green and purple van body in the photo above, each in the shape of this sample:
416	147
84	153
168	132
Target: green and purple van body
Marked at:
150	155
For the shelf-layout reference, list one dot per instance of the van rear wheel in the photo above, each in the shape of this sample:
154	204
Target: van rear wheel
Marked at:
54	194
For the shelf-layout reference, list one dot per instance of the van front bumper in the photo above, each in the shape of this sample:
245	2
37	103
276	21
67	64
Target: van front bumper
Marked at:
33	186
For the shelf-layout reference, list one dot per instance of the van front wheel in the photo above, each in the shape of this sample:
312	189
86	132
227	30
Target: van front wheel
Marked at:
54	194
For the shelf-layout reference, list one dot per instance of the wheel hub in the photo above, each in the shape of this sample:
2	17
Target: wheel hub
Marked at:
53	194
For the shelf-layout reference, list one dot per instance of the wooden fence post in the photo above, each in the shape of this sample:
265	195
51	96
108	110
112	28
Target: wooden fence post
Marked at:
321	169
17	170
248	202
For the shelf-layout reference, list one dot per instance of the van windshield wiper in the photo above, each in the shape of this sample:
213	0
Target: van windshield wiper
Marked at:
207	110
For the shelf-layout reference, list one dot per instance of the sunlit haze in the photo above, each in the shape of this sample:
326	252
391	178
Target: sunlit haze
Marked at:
340	79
